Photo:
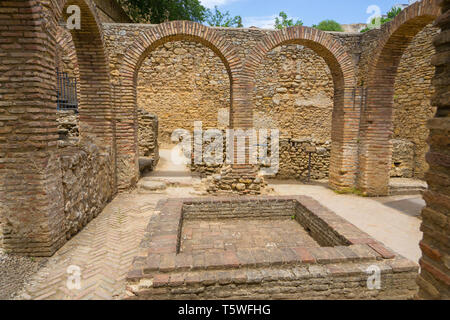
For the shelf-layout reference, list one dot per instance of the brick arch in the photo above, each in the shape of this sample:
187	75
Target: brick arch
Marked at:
126	117
342	67
65	48
95	112
377	123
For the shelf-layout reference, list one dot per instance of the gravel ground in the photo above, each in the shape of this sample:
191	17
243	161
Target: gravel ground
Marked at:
14	271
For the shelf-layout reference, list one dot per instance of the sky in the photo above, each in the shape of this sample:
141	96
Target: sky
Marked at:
262	13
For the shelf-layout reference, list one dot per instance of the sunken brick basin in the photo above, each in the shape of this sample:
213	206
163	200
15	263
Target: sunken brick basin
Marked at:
261	248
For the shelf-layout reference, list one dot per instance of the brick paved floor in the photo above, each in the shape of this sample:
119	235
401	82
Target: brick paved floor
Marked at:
233	234
103	252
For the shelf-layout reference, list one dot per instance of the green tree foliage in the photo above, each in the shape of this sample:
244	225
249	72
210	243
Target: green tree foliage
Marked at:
158	11
284	22
219	19
328	25
395	11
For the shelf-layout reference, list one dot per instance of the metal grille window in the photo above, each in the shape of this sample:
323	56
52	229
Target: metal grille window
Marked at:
66	95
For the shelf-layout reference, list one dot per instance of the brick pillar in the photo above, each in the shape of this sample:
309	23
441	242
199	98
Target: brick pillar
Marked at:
434	278
376	133
31	205
240	178
345	130
126	131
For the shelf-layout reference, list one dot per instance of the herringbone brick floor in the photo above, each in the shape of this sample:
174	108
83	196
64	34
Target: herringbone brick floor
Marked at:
103	251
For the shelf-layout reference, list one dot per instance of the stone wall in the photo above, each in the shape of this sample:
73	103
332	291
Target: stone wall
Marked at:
88	182
88	179
111	11
403	158
183	82
294	93
294	158
68	124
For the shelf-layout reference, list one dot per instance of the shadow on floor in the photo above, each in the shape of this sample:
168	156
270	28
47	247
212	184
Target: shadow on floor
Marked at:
412	207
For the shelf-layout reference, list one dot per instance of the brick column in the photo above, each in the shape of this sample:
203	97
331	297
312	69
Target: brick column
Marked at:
31	205
345	130
434	278
237	177
126	131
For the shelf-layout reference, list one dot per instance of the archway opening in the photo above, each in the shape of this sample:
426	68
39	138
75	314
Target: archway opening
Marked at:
93	86
412	108
67	86
180	84
396	40
345	116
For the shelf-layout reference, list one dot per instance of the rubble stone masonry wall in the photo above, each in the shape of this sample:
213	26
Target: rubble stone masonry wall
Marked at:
88	175
88	182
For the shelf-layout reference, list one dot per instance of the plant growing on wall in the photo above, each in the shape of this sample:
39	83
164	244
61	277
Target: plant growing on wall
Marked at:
283	21
395	11
328	25
216	18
